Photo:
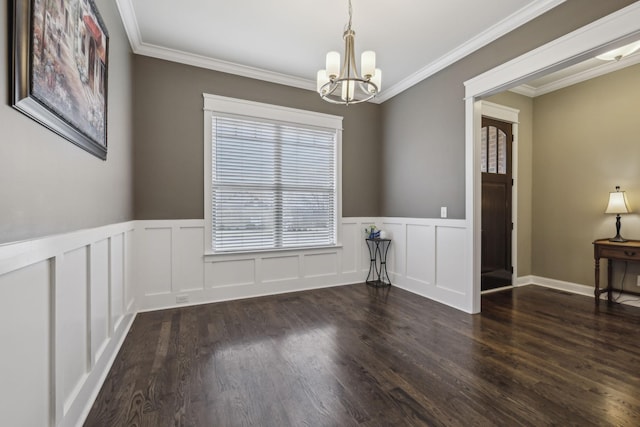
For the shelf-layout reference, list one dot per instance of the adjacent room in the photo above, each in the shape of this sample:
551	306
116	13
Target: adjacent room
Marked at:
230	214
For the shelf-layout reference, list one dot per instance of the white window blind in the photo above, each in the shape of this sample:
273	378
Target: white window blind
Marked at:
273	184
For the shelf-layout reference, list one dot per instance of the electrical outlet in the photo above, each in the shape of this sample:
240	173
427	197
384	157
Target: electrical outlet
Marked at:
181	299
443	212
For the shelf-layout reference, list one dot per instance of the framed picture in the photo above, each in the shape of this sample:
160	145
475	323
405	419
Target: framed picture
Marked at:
60	63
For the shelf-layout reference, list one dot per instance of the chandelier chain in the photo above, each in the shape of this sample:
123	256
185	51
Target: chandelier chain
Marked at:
350	15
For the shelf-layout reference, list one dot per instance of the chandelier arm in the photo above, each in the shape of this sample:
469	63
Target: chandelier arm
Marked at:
330	89
364	86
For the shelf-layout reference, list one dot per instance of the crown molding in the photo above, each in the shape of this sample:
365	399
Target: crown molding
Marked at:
173	55
600	70
525	90
513	21
491	34
130	22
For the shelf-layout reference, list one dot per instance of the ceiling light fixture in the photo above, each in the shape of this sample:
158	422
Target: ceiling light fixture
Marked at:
345	86
620	52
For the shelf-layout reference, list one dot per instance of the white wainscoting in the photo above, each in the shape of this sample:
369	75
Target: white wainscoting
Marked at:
66	304
67	301
426	257
172	269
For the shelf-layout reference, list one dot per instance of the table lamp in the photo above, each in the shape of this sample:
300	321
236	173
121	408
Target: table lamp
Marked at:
618	204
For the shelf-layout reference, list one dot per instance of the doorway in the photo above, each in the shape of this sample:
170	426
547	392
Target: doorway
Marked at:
497	182
612	31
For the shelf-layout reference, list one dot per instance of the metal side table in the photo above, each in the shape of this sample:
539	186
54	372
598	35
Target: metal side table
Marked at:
378	276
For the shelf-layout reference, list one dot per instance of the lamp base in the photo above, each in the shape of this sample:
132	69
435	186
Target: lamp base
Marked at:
618	237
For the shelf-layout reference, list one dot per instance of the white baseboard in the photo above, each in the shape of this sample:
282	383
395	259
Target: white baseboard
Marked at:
491	291
99	373
574	288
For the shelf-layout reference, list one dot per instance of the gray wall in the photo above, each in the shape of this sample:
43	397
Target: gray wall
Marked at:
585	143
47	184
404	158
423	127
169	150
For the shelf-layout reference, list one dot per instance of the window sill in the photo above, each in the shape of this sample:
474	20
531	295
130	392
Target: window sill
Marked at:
265	253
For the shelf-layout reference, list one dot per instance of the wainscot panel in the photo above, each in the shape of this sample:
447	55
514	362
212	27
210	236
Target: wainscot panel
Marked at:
62	321
233	272
350	241
319	265
155	260
72	331
116	246
25	335
188	272
280	268
427	256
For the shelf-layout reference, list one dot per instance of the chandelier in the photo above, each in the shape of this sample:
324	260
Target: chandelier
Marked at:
344	85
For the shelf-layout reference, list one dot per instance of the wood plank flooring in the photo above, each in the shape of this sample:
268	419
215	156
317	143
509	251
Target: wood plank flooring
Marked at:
356	356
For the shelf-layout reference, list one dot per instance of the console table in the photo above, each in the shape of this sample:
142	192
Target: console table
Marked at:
378	276
619	251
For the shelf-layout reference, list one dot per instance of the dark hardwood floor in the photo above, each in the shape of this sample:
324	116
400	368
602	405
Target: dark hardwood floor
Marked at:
355	356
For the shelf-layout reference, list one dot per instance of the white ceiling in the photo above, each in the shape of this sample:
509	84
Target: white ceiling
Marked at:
285	41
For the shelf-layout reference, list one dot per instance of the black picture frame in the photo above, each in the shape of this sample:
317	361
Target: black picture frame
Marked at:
60	68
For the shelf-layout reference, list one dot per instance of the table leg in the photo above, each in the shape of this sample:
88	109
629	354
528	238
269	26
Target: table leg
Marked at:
609	273
596	292
372	261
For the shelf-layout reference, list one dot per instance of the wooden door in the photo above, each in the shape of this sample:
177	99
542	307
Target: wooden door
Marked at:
497	184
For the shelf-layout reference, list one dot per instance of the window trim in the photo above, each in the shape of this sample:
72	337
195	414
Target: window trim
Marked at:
224	105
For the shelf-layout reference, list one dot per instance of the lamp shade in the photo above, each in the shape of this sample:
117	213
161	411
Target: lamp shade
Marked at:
377	80
348	89
618	203
322	79
333	64
368	64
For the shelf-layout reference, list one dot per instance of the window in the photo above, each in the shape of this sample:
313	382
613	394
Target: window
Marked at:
272	177
493	150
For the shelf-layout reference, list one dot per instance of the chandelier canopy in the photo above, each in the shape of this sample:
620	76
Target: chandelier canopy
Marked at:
345	85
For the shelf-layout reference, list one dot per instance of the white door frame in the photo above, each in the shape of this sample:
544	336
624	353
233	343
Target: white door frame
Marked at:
612	31
508	115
